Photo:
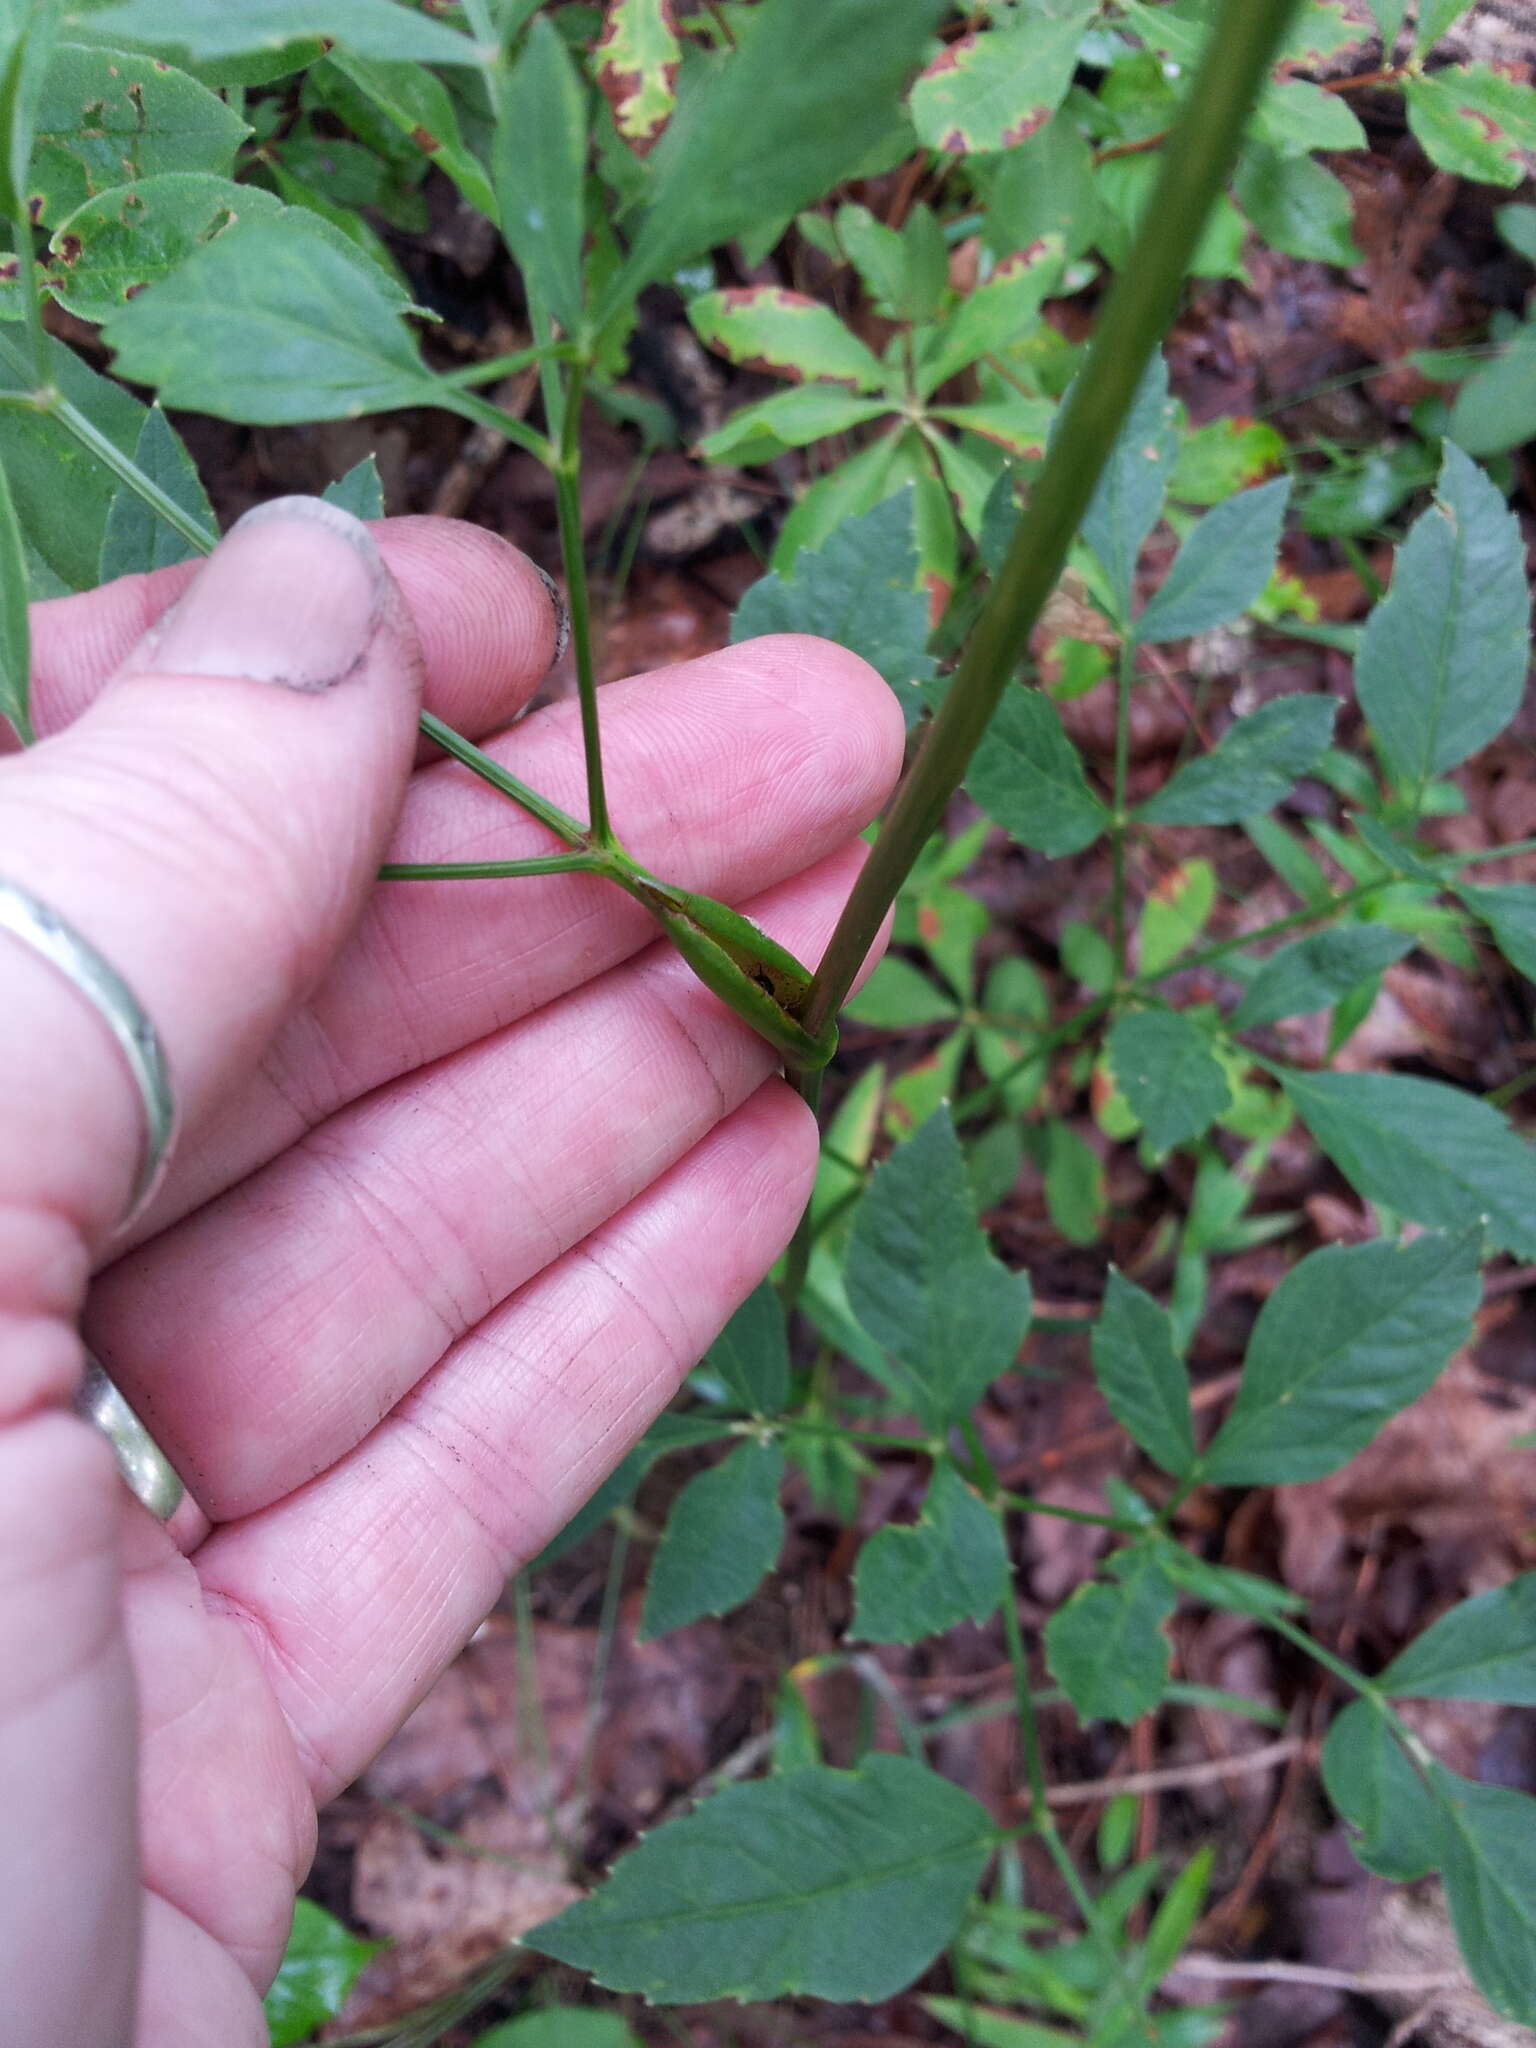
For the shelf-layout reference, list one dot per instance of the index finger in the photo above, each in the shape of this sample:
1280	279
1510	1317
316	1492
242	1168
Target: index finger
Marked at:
487	618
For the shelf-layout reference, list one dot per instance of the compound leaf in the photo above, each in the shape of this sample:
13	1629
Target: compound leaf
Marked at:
540	167
1222	568
1484	1649
1488	1864
1473	120
637	62
63	494
138	539
360	491
1371	1780
860	589
319	1967
751	1354
1169	1075
785	333
121	242
107	118
1314	972
992	90
1106	1647
1509	911
739	151
275	321
1131	488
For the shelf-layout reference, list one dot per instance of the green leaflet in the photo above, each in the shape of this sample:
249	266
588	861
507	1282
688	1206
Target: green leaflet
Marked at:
835	1884
949	1566
722	1537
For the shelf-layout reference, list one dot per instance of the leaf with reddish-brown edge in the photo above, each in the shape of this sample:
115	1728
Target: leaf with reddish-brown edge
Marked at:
994	89
785	334
636	67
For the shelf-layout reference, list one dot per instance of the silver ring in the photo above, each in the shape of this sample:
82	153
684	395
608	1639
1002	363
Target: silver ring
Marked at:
144	1466
38	925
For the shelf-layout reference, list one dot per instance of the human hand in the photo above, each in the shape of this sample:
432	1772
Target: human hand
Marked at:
470	1175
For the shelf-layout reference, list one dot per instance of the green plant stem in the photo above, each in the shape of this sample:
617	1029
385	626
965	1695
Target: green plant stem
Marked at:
567	473
1487	853
1072	1028
559	822
1026	1504
126	470
492	870
496	367
1139	309
469	405
1119	818
797	1260
1041	1817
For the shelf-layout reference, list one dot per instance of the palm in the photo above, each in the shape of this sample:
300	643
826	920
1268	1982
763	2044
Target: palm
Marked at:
420	1283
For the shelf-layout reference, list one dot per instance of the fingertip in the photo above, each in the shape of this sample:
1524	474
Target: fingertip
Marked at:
865	732
490	620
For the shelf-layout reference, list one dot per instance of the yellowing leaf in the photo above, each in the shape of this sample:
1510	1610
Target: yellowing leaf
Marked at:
784	333
637	66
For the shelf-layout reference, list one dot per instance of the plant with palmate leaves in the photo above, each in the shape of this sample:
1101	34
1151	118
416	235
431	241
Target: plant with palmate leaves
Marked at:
615	152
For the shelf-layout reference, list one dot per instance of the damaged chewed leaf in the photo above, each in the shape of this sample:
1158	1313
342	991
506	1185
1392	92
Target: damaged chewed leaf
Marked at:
122	242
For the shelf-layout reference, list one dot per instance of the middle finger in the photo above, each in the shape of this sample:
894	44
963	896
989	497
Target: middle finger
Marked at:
266	1336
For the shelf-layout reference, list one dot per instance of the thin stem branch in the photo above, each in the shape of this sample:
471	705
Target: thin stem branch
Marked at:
1140	307
492	870
495	367
559	822
470	406
1042	1819
1411	1984
26	269
573	557
127	471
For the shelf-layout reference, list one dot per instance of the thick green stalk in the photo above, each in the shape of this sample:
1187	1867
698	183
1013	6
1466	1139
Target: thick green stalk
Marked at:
1138	311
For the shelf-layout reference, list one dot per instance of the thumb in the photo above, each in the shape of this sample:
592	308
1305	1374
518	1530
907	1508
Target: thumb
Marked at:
211	825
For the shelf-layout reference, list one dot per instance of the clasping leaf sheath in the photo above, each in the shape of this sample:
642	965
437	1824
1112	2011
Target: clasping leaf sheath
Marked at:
763	983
